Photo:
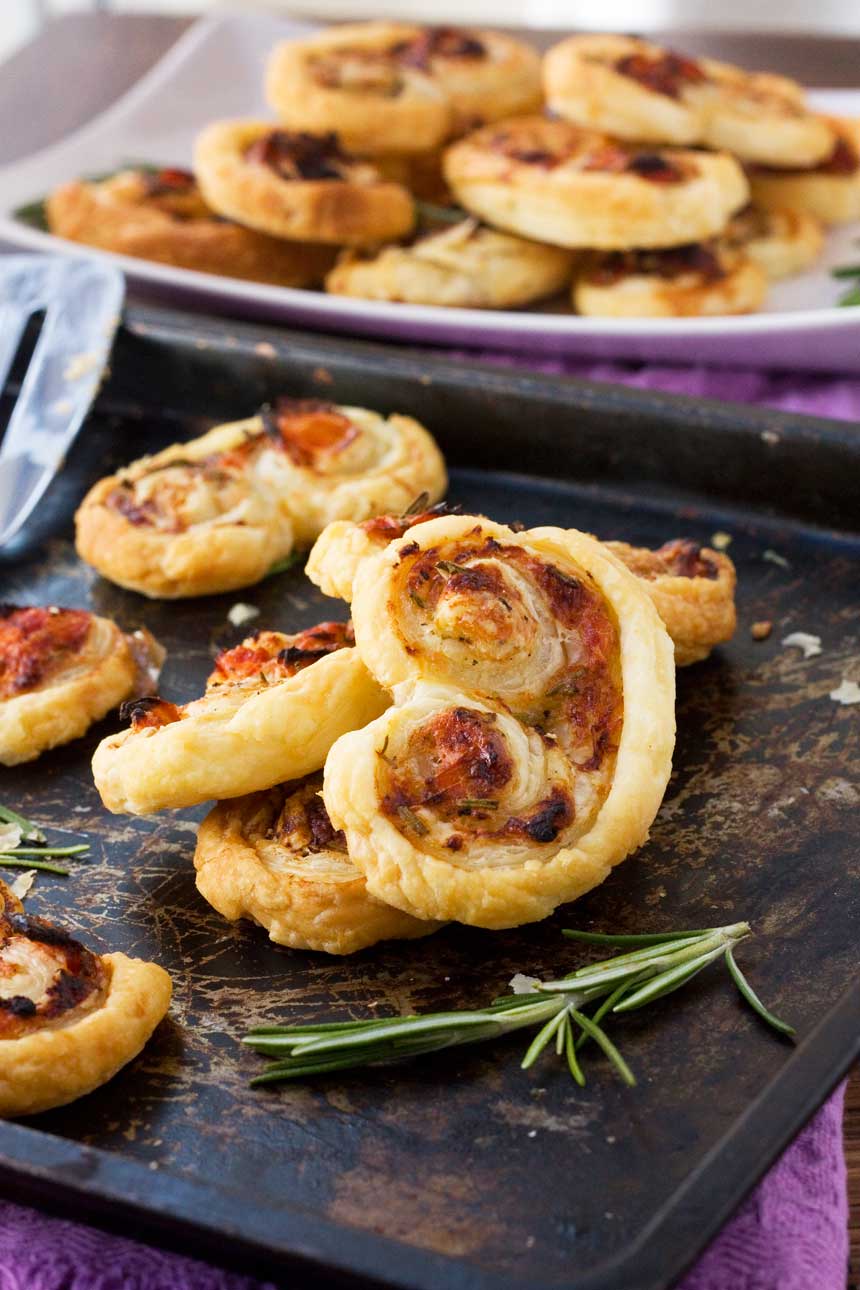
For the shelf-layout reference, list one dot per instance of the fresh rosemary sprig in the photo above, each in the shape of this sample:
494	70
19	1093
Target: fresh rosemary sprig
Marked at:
652	966
11	858
850	272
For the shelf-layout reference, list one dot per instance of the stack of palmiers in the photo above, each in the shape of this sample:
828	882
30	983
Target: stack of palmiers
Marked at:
413	164
489	734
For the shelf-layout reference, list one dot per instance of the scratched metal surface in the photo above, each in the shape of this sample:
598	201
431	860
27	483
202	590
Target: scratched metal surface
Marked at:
517	1175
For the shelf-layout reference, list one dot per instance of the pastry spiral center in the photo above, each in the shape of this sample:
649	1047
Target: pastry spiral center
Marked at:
46	977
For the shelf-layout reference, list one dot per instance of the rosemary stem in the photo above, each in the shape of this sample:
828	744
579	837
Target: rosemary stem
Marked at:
9	862
29	830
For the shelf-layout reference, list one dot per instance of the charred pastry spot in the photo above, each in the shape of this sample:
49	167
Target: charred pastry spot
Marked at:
298	155
307	429
455	842
76	975
38	929
655	167
437	42
35	641
547	820
664	73
150	711
19	1006
323	835
123	500
684	558
674	262
411	548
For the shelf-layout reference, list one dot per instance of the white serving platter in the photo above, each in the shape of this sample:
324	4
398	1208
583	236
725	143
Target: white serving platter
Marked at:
215	70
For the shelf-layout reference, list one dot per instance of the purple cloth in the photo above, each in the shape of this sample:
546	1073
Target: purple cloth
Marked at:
791	1234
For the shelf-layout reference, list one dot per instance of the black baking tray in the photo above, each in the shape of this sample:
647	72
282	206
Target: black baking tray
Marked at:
465	1171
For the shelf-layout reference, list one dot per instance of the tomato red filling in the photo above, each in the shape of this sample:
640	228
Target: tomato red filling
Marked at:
298	155
290	654
34	642
438	42
388	527
169	180
307	429
664	73
685	559
149	711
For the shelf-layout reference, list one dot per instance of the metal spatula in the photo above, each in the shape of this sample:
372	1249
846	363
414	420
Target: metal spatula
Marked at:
82	300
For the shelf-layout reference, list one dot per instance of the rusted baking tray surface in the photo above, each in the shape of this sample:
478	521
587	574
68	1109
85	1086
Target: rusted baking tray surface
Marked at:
464	1171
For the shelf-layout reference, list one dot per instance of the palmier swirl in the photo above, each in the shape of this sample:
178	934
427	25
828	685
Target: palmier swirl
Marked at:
693	587
216	513
531	735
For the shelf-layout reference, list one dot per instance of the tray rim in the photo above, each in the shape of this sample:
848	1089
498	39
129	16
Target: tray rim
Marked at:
85	1182
514	329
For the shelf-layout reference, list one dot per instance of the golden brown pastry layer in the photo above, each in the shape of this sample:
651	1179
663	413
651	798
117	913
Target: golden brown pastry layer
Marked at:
69	1019
61	670
162	216
272	708
298	186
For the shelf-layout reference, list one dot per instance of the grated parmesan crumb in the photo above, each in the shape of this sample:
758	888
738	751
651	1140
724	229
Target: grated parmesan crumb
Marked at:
761	630
10	837
720	541
22	884
242	613
521	984
805	641
846	693
773	557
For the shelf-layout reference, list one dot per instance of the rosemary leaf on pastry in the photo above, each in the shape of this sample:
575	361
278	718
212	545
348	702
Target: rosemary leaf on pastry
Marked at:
657	965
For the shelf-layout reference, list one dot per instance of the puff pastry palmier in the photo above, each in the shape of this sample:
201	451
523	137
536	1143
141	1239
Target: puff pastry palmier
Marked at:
216	513
781	242
692	586
464	264
162	216
637	90
693	590
61	670
398	88
303	187
630	88
69	1019
531	735
272	708
275	858
829	192
692	281
571	186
